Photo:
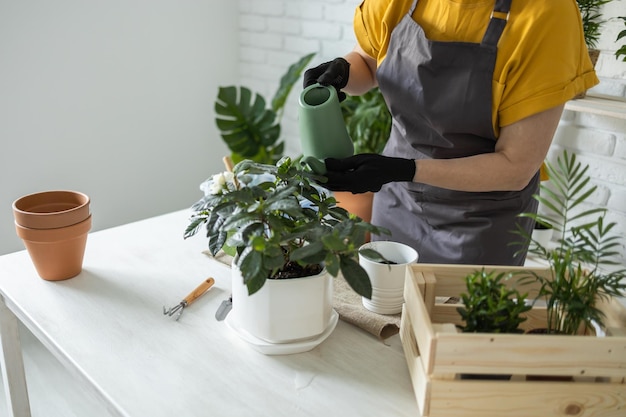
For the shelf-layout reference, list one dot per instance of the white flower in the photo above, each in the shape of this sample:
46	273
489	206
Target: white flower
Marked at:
215	188
219	179
219	183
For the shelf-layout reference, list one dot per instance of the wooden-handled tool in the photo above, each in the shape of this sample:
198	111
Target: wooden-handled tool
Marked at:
191	297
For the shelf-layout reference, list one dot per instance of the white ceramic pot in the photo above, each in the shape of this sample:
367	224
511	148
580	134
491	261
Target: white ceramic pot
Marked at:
283	310
387	280
543	236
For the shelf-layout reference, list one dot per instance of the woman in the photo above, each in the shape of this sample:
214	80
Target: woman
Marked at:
476	91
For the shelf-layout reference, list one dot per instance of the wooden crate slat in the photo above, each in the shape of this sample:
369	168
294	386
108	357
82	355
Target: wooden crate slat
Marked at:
450	278
524	399
530	354
429	291
421	385
423	331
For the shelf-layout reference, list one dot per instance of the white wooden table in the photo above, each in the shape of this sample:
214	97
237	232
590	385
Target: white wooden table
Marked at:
107	327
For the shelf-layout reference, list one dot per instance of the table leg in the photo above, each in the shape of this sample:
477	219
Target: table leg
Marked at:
12	364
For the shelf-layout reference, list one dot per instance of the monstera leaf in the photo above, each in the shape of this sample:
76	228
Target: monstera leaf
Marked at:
247	127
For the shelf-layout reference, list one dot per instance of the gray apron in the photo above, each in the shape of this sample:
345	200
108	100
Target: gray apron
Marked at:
440	95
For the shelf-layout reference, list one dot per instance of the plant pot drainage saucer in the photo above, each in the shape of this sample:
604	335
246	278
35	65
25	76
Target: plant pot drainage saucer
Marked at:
283	348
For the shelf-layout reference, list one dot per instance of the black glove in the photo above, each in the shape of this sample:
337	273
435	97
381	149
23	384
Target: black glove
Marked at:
366	172
335	73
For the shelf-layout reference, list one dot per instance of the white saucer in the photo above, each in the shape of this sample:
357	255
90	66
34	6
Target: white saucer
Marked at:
268	348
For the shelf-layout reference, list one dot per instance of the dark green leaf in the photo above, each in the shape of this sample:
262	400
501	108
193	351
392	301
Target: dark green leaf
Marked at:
356	277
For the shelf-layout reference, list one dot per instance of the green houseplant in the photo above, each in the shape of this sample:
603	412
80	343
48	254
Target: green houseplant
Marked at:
280	223
368	121
592	20
249	128
290	239
489	306
583	265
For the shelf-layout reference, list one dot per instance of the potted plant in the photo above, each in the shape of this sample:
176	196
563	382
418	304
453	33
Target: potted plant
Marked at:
583	264
578	284
386	263
282	226
490	306
248	127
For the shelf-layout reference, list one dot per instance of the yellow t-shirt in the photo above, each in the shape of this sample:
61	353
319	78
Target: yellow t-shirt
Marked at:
542	59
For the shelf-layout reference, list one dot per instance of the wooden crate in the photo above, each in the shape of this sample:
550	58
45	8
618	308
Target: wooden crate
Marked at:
437	354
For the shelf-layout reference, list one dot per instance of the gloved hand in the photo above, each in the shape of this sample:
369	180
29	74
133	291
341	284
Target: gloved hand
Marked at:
335	73
366	172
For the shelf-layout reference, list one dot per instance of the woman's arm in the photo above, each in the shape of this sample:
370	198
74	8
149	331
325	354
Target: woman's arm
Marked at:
519	153
362	72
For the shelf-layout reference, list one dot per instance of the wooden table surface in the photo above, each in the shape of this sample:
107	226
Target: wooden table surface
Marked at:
107	327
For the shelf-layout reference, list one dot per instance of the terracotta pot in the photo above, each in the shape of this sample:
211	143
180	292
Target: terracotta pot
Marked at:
56	253
359	204
51	209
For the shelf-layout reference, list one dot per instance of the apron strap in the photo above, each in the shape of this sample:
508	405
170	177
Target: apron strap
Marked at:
413	8
496	24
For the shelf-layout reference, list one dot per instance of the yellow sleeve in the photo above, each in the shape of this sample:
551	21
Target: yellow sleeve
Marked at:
542	59
374	21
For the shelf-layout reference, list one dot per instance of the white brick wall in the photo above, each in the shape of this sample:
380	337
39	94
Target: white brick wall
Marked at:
600	142
275	34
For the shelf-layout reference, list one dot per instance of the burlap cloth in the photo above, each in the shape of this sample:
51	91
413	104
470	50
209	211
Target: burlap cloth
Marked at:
348	305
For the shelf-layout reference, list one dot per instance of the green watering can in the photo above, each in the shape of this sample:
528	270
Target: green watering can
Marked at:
323	132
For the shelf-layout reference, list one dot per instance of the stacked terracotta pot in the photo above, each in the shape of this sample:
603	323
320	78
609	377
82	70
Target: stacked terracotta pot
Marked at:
54	226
